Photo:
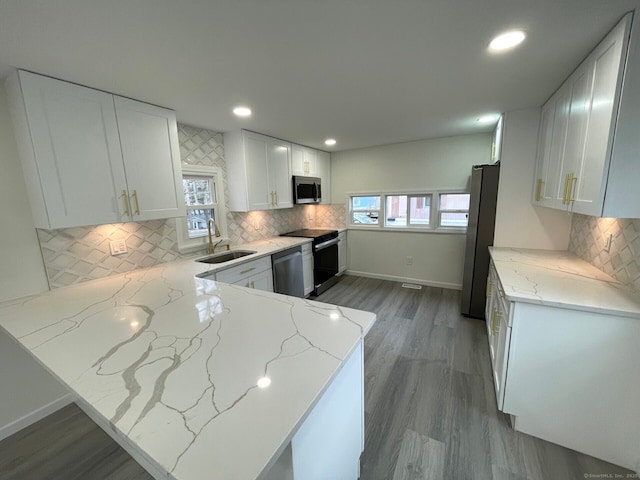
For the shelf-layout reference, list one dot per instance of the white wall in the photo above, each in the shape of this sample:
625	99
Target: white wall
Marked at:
440	163
27	391
518	222
22	267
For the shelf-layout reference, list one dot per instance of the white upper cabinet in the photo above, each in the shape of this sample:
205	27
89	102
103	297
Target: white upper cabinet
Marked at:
303	160
259	171
309	162
323	162
149	142
71	145
588	145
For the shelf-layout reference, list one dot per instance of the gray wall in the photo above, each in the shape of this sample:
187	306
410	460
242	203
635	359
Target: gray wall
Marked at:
518	223
441	163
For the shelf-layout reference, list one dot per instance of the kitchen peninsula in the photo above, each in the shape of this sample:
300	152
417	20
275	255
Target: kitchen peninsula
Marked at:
200	379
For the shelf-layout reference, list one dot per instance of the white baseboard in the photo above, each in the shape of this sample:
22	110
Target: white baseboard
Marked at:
392	278
32	417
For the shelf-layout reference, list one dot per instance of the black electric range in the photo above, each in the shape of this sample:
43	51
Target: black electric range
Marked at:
325	256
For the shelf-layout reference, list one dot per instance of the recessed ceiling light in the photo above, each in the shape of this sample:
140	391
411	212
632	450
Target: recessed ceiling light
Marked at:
242	111
488	118
507	40
330	141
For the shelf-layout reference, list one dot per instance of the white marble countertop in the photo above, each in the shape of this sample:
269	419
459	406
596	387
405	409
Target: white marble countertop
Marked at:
172	362
561	279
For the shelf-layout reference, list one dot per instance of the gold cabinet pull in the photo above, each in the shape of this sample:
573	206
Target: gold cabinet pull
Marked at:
566	186
572	182
125	198
276	202
135	197
539	189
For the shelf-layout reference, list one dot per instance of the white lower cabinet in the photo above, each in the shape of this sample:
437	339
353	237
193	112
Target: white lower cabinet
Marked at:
256	274
307	269
498	332
342	252
567	375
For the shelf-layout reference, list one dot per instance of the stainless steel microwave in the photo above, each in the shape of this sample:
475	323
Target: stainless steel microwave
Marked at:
307	189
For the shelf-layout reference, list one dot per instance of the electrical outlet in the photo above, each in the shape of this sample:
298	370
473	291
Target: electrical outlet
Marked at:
118	247
409	260
607	245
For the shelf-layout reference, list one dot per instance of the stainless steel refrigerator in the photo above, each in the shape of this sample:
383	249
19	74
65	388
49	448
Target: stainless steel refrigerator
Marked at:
482	218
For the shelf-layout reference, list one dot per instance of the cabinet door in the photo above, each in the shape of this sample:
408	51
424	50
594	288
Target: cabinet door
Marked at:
552	188
303	160
75	156
503	338
323	166
543	192
297	160
307	272
342	252
279	173
580	84
149	140
256	150
592	178
260	281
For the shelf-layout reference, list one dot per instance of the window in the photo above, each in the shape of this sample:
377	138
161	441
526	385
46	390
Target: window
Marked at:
204	200
433	211
408	210
453	210
365	210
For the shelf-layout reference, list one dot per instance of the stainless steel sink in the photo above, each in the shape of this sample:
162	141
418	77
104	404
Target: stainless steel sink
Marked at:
225	256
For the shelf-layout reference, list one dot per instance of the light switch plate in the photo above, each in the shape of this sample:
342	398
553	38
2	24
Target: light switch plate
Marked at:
118	247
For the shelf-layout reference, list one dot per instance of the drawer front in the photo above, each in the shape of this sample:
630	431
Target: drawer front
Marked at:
237	273
306	248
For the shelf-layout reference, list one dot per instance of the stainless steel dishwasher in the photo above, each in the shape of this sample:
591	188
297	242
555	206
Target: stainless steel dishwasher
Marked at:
287	272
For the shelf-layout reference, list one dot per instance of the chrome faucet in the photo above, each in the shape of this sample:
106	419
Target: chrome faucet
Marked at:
212	246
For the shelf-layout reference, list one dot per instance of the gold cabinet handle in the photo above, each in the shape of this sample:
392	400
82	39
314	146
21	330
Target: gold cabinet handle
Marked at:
125	198
564	193
271	193
276	203
135	197
247	270
572	182
539	189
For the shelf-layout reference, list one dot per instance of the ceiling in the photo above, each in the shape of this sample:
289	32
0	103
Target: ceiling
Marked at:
366	72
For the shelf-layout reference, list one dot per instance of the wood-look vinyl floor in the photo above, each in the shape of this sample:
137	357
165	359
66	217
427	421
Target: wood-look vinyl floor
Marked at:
430	409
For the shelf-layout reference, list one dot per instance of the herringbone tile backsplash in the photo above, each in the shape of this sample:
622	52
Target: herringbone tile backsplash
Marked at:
622	261
75	255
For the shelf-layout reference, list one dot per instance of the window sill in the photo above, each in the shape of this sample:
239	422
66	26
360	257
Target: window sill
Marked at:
376	228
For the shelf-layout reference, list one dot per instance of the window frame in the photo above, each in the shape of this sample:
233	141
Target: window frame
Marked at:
451	210
434	211
189	245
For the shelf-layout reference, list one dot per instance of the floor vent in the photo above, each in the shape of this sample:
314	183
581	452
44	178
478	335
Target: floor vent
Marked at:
412	285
